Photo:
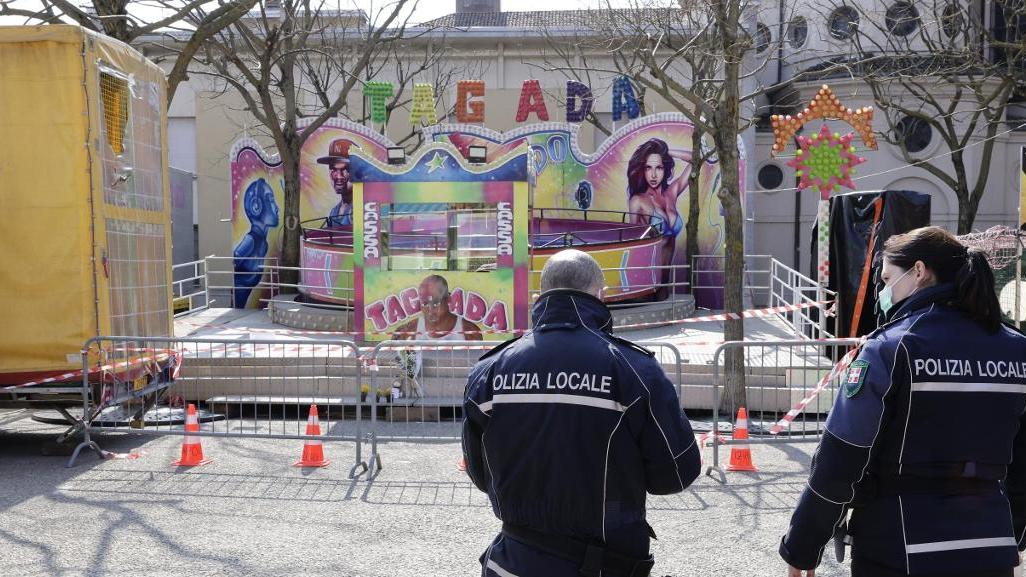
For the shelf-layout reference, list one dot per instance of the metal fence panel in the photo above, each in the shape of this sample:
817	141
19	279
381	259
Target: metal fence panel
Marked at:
790	287
189	287
418	388
243	388
789	390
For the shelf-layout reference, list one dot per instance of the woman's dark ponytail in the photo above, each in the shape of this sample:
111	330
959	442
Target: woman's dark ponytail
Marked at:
951	262
976	294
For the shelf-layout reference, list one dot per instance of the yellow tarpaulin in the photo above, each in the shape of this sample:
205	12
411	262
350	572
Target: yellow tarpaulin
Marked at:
85	240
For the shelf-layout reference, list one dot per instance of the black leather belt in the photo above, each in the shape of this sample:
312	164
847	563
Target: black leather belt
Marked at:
908	485
967	469
593	558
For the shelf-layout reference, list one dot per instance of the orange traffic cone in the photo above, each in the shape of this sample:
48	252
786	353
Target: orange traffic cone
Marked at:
741	454
192	450
313	450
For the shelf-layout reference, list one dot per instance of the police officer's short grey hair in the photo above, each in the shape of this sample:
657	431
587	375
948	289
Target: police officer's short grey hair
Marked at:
572	269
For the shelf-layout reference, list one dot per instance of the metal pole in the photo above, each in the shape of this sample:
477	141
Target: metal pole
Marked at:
206	280
797	215
359	464
87	441
716	419
1018	279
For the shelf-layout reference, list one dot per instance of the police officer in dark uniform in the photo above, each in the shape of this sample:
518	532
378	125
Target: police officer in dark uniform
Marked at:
567	428
924	444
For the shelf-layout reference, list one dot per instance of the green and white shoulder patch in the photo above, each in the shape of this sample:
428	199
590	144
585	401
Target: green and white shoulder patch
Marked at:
855	378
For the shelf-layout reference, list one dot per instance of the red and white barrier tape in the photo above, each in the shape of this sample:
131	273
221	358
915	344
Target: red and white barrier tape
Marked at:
129	456
841	366
56	379
105	368
703	439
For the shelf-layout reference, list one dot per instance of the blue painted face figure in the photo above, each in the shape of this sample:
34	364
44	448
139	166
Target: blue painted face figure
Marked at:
248	263
272	215
261	208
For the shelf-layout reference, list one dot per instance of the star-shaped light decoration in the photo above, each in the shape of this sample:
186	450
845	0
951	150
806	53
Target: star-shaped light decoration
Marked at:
824	105
825	161
437	161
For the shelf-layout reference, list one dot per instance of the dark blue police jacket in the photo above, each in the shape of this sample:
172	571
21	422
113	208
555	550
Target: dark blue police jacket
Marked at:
567	428
925	427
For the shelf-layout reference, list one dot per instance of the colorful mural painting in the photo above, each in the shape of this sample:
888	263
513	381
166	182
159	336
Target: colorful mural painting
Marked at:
325	193
443	249
626	203
642	170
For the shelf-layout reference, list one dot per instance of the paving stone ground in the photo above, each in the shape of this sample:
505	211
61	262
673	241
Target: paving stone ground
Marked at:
251	513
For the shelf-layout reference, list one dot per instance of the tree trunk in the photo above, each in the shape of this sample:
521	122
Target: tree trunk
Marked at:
292	231
728	113
966	212
966	206
114	19
734	391
694	198
290	146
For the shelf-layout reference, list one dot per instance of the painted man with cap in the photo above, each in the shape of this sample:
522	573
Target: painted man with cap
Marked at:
567	428
338	171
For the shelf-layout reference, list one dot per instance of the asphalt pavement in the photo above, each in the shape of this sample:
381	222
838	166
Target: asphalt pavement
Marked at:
251	513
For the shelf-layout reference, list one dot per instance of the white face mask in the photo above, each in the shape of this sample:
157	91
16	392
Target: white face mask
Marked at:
886	296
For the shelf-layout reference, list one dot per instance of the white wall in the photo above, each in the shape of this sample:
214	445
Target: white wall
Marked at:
181	142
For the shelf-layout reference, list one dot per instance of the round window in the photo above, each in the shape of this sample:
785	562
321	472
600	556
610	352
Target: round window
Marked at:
902	18
952	20
763	38
915	133
770	177
843	22
798	32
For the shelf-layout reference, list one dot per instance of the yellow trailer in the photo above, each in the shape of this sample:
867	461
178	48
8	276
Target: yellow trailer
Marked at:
85	243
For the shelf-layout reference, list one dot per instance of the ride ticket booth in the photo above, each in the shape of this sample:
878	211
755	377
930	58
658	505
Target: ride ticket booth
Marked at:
441	246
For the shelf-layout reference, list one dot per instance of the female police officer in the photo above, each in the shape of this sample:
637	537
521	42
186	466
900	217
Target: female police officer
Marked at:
924	442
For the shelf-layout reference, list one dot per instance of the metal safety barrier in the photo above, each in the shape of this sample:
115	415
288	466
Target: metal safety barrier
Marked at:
789	389
418	388
211	282
241	388
707	274
189	292
790	287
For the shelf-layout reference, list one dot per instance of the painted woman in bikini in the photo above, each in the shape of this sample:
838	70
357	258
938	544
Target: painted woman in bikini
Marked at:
652	197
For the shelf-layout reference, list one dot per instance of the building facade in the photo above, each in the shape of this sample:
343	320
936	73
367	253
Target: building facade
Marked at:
506	48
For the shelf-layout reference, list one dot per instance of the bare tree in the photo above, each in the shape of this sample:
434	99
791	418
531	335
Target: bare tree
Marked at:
934	66
576	59
302	61
185	20
694	57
